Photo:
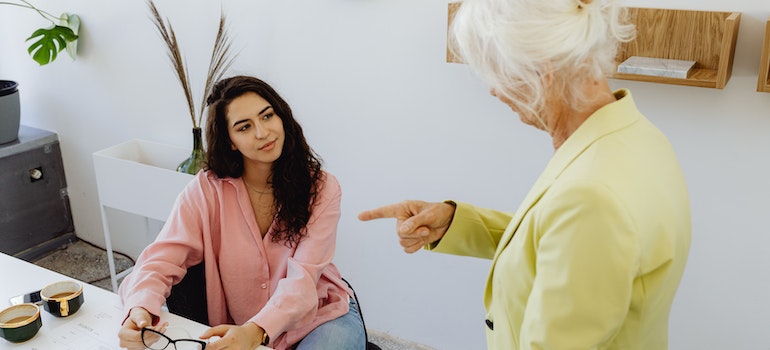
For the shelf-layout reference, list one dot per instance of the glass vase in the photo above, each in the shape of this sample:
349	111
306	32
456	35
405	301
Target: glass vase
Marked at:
197	158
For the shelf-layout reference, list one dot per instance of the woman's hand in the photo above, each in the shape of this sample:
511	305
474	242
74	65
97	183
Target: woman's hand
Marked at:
246	337
417	223
130	333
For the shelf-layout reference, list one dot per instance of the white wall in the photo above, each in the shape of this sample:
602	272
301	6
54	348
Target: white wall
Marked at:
368	81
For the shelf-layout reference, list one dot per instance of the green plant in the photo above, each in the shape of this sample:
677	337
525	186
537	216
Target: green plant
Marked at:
63	34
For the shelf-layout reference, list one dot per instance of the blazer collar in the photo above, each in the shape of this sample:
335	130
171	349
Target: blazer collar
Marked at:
608	119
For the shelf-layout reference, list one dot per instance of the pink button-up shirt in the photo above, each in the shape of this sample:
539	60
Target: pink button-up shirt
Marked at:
286	291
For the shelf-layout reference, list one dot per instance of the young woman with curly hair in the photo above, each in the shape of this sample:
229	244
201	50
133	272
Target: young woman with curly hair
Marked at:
262	218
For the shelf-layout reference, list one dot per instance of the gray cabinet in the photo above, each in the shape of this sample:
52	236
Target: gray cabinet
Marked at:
35	215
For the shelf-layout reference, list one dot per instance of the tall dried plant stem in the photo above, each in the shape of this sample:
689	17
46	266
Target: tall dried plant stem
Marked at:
221	60
175	54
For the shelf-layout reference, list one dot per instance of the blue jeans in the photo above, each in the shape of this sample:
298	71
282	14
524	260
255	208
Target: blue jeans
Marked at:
344	332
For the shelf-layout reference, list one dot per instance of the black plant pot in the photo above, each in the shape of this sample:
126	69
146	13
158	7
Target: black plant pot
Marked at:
10	111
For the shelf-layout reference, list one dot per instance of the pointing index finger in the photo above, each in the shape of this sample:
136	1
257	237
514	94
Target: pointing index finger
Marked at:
391	211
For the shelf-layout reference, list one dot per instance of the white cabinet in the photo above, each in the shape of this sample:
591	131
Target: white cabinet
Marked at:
138	177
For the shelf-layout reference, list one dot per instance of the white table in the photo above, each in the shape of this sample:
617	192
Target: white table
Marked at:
94	327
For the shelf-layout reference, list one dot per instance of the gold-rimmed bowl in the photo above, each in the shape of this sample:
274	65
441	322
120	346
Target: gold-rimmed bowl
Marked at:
63	298
20	323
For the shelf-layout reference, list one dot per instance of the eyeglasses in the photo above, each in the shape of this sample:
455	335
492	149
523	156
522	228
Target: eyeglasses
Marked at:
154	340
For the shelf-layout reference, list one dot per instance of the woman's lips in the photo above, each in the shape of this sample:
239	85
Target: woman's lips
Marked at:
268	146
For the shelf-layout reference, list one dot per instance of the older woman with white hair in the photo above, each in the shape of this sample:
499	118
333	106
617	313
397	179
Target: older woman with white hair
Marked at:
594	255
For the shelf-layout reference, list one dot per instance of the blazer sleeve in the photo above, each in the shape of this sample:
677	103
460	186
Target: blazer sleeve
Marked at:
474	232
587	260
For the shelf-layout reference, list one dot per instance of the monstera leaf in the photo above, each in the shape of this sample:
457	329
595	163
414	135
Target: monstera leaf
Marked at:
51	41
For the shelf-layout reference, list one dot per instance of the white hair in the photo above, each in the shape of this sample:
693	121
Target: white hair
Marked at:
513	44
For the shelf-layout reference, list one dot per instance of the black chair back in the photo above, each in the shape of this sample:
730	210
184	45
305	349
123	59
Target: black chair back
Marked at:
188	297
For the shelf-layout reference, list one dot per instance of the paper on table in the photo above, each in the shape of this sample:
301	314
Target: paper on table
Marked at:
88	333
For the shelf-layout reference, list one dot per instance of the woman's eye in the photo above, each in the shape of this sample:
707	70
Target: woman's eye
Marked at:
268	115
243	127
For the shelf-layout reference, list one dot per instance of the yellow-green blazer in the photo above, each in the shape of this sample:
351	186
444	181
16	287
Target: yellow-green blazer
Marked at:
593	256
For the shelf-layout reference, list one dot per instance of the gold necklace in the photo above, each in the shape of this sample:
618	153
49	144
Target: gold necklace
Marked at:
259	207
256	190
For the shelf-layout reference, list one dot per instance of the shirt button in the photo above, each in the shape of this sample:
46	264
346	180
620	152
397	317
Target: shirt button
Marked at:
264	285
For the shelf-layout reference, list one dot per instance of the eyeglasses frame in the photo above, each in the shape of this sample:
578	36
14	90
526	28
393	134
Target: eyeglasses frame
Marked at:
171	341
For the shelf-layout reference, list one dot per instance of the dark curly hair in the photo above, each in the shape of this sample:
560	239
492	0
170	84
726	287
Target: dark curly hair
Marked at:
296	173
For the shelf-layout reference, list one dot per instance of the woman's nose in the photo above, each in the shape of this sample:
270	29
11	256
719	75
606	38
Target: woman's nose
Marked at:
260	132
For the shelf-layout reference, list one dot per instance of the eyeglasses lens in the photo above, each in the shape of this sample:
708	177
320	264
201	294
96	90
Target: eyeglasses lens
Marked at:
154	340
188	345
158	341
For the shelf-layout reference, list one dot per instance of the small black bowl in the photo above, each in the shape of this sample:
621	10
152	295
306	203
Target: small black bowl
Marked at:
20	323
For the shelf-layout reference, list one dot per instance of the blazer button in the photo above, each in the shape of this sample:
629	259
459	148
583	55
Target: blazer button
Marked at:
490	325
264	285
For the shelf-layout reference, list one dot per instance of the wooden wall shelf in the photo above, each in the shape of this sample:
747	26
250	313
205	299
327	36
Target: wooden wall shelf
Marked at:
763	82
706	37
451	9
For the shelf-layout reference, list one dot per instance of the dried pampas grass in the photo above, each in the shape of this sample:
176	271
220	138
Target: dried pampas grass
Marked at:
221	60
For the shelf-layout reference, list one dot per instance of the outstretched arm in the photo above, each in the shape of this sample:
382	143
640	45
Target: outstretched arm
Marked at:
418	223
